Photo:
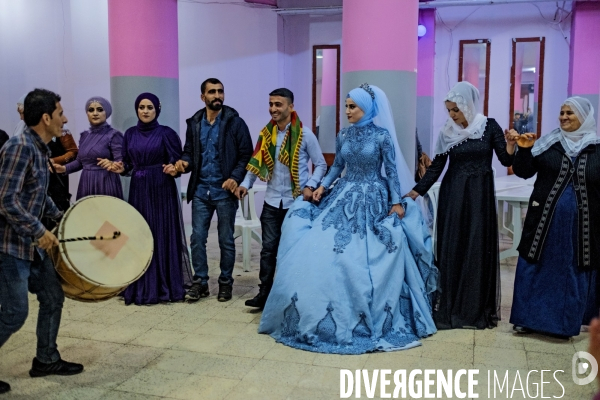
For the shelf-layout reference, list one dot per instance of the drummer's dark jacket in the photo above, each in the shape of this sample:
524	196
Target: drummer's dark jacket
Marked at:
234	147
555	170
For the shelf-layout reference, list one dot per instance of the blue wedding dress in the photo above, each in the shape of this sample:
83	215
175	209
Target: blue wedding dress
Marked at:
350	278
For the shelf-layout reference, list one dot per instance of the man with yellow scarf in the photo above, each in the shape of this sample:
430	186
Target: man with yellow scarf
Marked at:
280	158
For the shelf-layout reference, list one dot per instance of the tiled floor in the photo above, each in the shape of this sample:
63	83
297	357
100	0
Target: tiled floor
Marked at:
210	350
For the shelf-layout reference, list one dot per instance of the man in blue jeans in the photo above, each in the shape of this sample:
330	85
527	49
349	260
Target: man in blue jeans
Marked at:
24	264
283	163
217	148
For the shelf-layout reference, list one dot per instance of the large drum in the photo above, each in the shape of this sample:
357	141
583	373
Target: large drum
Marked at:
96	270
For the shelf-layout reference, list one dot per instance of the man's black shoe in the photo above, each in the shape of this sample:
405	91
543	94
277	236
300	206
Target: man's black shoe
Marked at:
224	292
259	300
4	387
197	291
60	367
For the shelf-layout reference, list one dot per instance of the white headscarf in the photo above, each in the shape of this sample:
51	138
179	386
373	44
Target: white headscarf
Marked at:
572	142
466	97
20	128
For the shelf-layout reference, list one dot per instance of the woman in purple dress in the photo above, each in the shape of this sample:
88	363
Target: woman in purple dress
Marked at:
99	148
148	150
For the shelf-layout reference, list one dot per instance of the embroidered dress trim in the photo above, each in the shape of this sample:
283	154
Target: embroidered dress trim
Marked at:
585	210
540	236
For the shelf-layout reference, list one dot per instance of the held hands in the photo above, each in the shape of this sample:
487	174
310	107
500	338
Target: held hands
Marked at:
117	167
61	169
307	194
398	209
511	137
169	169
241	192
525	140
105	163
412	194
47	241
318	194
230	185
181	165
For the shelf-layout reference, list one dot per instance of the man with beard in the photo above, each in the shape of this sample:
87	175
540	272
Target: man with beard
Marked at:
281	158
217	149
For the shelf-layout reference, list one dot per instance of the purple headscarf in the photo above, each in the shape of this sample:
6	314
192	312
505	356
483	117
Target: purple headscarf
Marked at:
153	99
102	101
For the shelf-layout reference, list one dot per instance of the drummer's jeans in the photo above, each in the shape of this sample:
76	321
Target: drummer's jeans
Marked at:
39	277
202	213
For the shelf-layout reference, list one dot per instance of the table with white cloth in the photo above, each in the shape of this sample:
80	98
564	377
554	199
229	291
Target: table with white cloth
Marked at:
512	195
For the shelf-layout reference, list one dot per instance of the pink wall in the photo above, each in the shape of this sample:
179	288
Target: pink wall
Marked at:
584	77
372	46
132	37
426	54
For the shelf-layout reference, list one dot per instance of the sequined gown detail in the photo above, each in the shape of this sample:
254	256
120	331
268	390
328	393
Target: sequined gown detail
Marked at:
350	278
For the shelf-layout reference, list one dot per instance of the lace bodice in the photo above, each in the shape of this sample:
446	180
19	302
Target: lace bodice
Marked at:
470	157
363	151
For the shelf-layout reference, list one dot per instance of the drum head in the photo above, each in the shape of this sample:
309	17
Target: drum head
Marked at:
115	262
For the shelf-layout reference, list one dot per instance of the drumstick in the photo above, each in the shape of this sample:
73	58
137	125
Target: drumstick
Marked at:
115	235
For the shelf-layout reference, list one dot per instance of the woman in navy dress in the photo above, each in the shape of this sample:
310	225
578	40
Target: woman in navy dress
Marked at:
556	280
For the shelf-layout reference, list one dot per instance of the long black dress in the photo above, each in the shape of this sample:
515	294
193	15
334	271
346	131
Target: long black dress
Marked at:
467	231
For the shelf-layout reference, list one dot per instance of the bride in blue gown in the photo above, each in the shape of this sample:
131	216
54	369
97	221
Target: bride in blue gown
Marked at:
355	269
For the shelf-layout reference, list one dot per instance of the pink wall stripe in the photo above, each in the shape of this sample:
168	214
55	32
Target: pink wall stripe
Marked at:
143	38
584	75
381	36
329	82
426	54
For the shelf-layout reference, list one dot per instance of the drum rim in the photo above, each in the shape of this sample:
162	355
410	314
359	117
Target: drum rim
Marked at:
66	259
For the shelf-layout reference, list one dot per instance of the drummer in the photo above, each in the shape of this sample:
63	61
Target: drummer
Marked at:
23	186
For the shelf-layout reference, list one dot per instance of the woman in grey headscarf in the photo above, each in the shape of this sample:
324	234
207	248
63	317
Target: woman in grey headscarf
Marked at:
467	227
556	280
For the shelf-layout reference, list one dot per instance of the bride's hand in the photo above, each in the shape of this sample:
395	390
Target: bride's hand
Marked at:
317	194
398	209
412	194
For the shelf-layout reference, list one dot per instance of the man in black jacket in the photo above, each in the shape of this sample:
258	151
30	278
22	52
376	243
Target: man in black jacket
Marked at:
217	148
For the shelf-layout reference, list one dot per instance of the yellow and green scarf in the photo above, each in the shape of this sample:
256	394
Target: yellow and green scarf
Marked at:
262	162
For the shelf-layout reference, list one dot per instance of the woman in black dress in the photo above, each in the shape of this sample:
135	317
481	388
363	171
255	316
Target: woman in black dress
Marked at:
467	227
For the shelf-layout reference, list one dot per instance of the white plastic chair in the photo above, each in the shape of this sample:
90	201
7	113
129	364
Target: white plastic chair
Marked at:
433	194
246	223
